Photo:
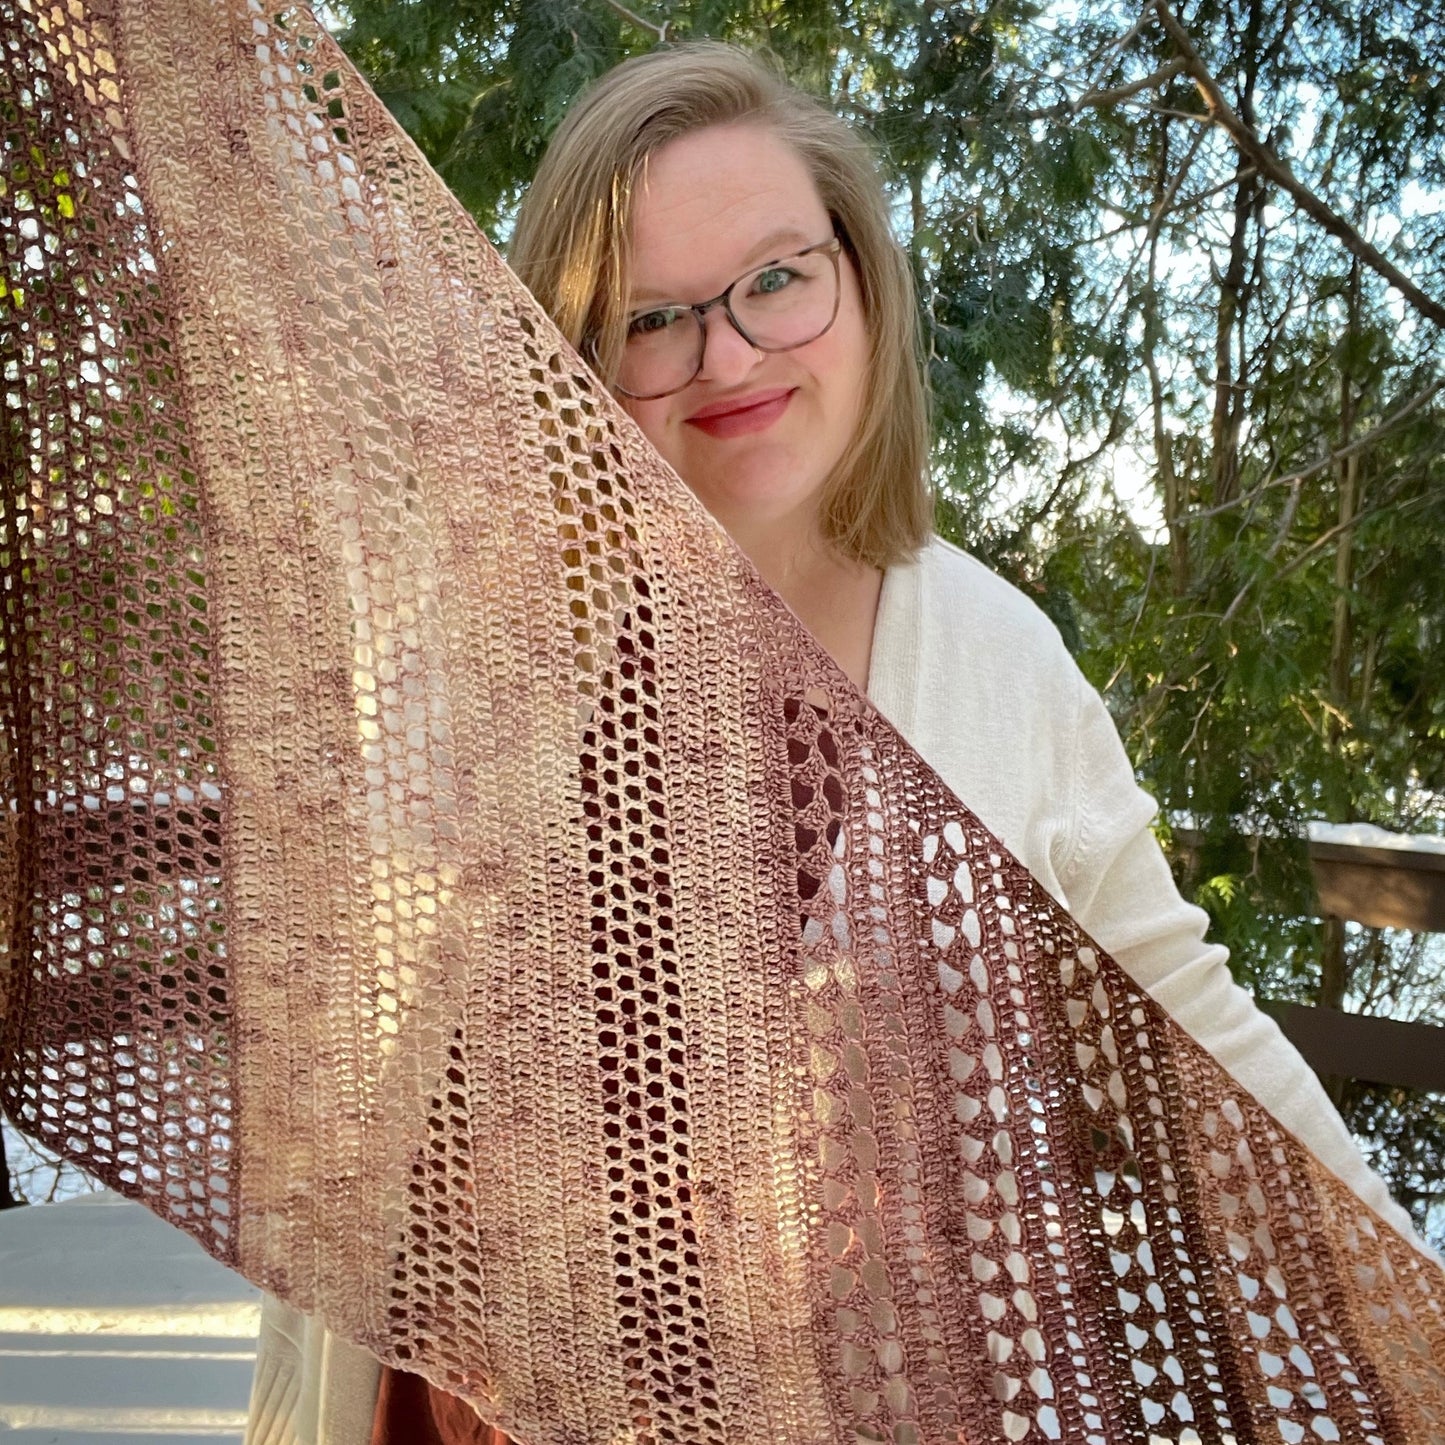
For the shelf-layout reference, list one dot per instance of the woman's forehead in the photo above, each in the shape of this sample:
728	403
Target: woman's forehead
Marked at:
710	204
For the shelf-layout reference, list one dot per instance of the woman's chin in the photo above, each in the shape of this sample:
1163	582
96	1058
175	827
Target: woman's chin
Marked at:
759	487
774	519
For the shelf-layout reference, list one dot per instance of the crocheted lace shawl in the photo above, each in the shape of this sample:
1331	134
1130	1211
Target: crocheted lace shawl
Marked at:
443	879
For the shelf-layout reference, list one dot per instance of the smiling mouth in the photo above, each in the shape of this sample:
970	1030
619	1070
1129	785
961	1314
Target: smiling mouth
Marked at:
747	414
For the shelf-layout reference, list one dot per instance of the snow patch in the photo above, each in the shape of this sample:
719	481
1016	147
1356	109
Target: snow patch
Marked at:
1367	835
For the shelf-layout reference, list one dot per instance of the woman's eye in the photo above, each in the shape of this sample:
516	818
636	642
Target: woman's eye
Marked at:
774	279
652	322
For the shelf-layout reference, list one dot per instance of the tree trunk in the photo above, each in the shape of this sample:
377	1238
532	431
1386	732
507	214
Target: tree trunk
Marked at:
1334	961
1334	981
1224	431
1342	630
1233	295
1169	484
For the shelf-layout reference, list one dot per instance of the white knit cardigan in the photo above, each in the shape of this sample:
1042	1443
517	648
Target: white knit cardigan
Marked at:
979	681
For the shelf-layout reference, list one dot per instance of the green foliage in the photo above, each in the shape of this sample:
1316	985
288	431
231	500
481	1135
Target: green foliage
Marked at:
1403	1131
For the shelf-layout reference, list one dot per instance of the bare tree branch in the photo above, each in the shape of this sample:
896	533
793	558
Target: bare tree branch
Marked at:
1118	424
1275	169
1090	100
1286	522
1098	99
632	18
1115	45
1136	222
1198	117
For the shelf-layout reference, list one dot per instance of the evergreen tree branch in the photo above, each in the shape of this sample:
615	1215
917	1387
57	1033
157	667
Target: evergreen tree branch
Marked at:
1331	459
1271	166
632	18
1330	534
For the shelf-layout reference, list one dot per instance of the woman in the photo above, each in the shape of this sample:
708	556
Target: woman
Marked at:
718	245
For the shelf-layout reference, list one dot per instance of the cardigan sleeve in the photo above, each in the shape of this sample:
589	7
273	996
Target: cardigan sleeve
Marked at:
1120	889
980	682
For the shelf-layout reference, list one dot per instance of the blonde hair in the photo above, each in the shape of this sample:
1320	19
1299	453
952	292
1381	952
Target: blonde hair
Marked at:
570	247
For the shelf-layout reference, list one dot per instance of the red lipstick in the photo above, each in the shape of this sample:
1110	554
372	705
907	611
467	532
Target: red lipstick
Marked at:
738	416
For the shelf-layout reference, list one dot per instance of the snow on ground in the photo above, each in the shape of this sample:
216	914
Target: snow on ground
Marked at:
117	1329
1367	835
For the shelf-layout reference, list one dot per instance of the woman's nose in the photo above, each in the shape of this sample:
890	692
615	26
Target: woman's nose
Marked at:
727	355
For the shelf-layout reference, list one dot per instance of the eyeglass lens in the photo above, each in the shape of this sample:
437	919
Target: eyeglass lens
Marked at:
776	307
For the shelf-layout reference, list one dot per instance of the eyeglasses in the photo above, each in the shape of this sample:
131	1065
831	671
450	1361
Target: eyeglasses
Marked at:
774	307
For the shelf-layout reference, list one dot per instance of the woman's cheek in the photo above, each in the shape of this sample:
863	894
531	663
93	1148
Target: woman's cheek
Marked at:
653	420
